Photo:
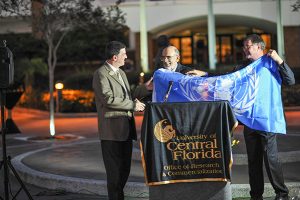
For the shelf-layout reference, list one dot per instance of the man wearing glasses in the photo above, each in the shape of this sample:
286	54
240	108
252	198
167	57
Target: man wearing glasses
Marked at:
170	59
261	145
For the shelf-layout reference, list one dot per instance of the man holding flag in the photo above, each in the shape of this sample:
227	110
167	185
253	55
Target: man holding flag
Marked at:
262	145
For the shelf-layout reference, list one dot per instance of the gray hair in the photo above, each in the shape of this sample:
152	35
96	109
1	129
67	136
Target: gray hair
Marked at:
256	39
177	52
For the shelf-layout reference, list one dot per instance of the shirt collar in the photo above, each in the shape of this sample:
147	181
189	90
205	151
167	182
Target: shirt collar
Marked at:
173	69
115	69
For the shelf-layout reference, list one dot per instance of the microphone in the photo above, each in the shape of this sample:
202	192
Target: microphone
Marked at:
168	91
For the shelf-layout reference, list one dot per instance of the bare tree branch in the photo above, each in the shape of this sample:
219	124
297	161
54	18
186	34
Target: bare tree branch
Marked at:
296	6
54	19
17	8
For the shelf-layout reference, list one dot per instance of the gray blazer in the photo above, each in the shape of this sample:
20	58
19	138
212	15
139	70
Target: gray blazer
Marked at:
114	105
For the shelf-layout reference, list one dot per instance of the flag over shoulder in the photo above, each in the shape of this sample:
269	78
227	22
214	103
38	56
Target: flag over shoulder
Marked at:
253	92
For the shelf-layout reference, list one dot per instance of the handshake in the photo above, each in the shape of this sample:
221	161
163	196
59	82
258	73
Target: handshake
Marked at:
139	106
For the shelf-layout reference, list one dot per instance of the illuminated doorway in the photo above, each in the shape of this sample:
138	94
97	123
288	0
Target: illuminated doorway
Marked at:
229	48
185	46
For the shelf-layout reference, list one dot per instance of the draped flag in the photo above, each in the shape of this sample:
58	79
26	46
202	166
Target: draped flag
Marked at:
253	92
187	142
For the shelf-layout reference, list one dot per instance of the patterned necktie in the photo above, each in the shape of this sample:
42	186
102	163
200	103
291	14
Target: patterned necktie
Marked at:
121	80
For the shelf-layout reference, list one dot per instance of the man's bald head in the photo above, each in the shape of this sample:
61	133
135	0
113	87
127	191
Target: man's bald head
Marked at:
170	57
170	50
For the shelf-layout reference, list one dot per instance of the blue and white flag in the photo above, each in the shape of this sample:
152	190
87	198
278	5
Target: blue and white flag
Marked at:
253	92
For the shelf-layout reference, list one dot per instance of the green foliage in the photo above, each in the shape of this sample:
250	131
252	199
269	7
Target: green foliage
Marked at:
29	57
27	69
82	45
33	99
81	79
24	46
31	72
72	31
88	43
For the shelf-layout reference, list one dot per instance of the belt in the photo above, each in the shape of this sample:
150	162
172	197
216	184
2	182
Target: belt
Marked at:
118	114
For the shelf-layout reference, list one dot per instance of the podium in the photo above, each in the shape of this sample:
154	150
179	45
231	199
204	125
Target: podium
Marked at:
186	150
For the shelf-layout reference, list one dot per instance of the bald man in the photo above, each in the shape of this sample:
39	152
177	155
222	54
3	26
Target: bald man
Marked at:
170	58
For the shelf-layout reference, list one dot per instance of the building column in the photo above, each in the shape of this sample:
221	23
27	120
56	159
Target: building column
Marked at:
132	42
211	36
280	36
143	37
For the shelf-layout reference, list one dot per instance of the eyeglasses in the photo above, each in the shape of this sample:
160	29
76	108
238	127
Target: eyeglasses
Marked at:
248	46
166	57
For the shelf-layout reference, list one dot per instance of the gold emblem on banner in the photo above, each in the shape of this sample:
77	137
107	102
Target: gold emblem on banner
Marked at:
164	131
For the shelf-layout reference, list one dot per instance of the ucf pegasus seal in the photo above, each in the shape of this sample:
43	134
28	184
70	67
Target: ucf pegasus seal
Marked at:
164	131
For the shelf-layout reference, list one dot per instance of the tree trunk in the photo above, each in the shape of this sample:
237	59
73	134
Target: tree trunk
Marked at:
51	102
52	60
51	87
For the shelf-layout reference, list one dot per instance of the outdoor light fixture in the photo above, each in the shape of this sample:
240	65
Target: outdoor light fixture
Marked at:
141	78
58	86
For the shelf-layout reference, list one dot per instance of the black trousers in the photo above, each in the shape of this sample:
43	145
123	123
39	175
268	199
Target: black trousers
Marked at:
262	146
117	162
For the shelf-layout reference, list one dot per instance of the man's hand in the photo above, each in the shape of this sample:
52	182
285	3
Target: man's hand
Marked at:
196	72
139	106
149	84
273	54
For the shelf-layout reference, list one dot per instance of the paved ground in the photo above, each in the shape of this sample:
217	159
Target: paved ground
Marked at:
73	168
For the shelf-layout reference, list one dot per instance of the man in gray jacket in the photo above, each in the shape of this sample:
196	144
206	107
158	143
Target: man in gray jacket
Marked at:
116	125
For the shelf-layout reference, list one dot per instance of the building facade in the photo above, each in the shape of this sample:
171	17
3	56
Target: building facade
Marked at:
185	22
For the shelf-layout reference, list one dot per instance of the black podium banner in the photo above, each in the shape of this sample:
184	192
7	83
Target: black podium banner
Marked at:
187	142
